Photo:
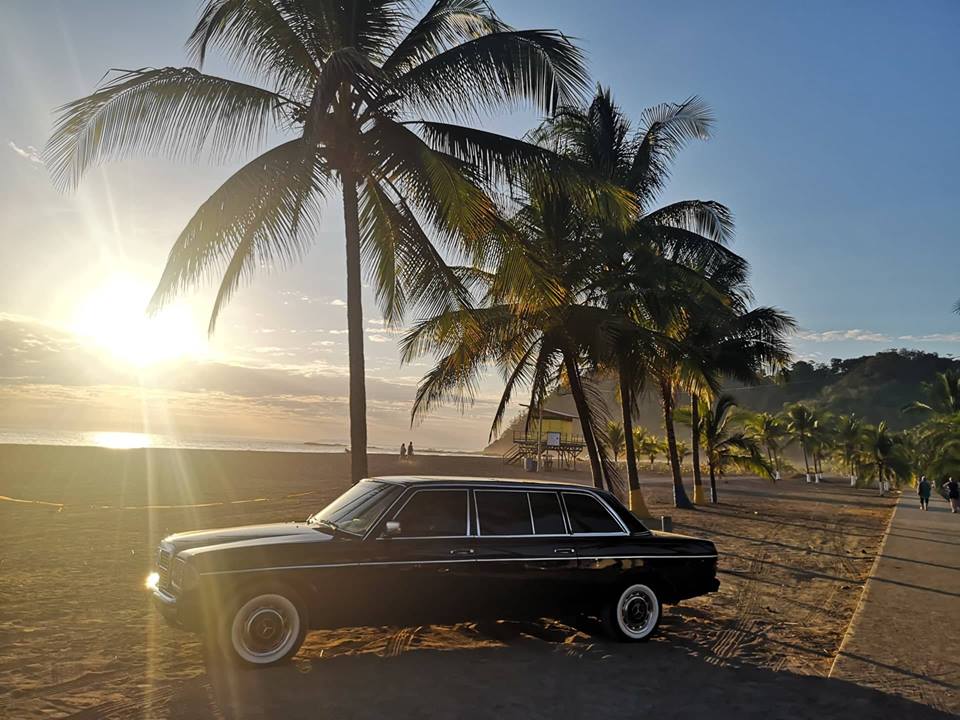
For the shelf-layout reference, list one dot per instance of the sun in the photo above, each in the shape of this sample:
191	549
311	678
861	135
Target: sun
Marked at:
113	316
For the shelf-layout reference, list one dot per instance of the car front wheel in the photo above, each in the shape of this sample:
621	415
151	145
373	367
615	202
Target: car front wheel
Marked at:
265	628
634	614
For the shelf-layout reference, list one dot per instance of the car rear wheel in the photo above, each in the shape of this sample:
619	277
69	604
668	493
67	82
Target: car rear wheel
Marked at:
634	614
265	628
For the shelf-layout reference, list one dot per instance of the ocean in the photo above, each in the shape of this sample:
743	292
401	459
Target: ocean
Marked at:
130	440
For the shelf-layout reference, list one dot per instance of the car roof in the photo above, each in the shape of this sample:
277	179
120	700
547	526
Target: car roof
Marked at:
410	480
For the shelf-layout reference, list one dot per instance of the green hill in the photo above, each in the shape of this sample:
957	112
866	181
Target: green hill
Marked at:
875	387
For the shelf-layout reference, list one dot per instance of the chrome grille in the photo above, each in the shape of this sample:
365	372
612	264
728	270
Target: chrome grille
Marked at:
163	568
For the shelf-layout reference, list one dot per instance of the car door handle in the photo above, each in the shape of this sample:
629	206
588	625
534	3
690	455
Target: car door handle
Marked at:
564	551
463	551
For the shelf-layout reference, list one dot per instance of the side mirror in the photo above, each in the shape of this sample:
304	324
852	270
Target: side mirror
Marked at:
392	528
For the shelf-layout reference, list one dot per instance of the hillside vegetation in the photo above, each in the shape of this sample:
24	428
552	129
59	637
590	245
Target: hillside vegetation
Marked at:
874	387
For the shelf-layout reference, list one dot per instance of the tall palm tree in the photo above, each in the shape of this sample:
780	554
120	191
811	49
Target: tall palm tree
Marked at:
800	427
533	322
886	456
849	437
726	446
616	440
601	138
353	87
767	430
822	440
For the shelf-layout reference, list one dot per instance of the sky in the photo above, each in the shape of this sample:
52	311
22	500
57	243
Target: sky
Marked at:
835	146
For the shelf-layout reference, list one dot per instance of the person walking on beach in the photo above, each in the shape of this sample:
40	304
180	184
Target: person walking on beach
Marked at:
953	494
923	490
403	451
410	449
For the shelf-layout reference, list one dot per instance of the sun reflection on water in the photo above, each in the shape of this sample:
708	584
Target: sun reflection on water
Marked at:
121	440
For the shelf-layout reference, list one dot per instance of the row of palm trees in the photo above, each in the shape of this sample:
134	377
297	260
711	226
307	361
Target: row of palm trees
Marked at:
547	258
755	442
870	452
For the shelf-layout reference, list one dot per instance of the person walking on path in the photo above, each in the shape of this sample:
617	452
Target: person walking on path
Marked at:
953	494
923	490
403	451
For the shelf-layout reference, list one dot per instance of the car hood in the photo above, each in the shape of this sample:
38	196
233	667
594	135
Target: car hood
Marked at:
204	538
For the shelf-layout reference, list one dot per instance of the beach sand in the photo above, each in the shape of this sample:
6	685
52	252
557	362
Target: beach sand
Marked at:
79	638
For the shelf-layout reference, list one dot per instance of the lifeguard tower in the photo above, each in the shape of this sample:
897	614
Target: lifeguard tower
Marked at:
552	436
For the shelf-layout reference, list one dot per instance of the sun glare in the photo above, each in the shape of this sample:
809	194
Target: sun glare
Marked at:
113	316
121	440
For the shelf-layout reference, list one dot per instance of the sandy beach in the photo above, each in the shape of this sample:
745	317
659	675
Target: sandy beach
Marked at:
78	637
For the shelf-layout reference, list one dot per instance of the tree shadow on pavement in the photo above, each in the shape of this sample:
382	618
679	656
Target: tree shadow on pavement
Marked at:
530	673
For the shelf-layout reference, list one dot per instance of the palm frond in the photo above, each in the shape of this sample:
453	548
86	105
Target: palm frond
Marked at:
707	218
177	112
664	130
541	67
267	38
445	24
254	217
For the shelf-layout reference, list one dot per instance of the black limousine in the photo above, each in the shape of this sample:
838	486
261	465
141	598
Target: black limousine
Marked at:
414	550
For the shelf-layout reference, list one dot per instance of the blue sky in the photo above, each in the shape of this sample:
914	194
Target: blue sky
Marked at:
835	146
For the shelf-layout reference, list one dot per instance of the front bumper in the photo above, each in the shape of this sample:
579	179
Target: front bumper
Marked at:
175	610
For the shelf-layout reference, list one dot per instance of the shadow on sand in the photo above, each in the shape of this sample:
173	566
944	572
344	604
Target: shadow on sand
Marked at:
527	670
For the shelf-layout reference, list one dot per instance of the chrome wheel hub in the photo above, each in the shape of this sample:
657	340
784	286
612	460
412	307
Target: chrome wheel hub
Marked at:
638	611
265	628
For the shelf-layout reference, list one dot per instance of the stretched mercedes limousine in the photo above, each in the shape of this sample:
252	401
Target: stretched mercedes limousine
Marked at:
415	550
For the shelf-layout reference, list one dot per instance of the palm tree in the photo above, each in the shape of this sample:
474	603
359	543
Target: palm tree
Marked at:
601	137
849	437
683	450
800	427
534	321
822	440
943	395
616	440
885	454
726	447
351	85
650	448
767	430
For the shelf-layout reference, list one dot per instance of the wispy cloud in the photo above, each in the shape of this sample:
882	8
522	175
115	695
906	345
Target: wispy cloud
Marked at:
378	338
338	303
29	153
932	337
854	335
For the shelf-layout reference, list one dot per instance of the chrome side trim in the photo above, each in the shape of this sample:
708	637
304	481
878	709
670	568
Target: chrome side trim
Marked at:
471	560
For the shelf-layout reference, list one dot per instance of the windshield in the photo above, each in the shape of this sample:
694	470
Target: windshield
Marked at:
358	508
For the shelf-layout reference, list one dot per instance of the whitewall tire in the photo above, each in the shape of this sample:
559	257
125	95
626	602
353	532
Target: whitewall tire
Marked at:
635	613
265	629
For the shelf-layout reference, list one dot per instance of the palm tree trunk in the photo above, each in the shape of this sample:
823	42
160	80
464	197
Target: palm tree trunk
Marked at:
358	387
637	505
586	426
695	432
680	498
806	463
713	483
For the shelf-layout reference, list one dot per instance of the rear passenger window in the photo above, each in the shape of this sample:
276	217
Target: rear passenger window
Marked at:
503	513
434	513
547	516
588	515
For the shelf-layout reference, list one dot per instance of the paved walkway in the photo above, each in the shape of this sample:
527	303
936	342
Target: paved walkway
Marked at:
905	635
